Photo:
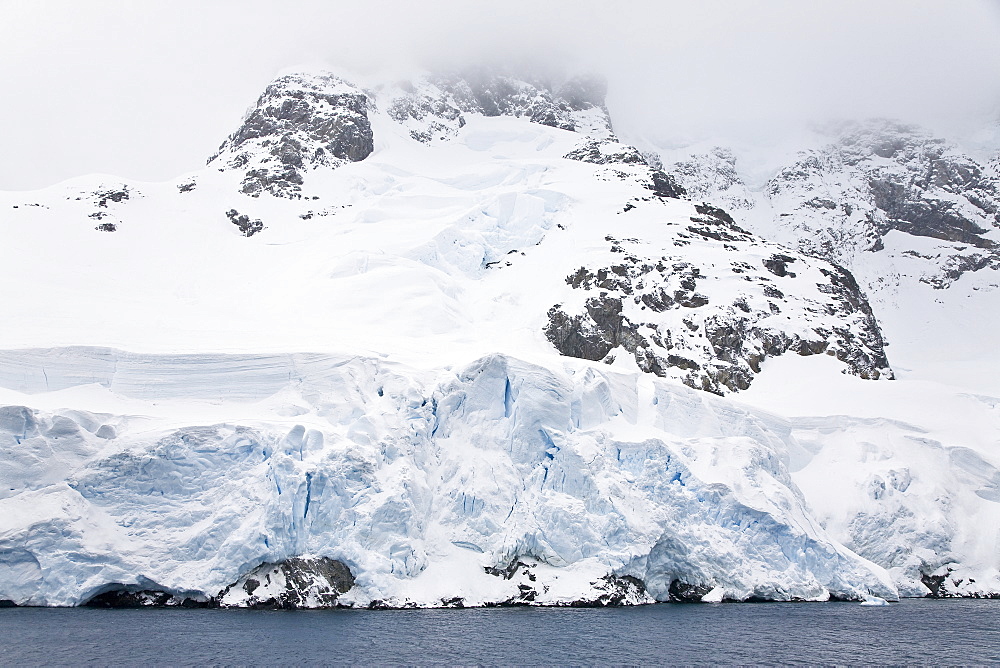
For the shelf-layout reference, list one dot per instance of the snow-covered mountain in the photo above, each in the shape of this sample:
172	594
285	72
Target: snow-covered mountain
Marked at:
451	342
930	210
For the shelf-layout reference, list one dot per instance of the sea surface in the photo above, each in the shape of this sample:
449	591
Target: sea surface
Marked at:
910	632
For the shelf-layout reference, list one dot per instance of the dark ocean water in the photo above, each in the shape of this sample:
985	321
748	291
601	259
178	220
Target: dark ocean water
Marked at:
915	631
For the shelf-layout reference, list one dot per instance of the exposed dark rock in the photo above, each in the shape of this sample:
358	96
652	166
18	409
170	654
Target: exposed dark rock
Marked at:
935	583
300	122
615	591
247	227
298	582
943	583
716	216
126	598
114	195
106	227
7	603
879	177
430	112
583	92
953	266
505	96
506	572
683	592
610	590
713	177
663	185
434	108
778	263
606	152
723	345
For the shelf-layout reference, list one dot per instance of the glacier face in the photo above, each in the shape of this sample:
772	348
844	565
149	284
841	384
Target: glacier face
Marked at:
572	476
515	314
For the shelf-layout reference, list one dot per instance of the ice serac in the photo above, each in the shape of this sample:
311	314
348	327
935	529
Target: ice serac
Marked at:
508	477
891	493
300	122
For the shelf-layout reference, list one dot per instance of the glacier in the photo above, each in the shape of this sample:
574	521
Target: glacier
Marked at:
455	342
422	486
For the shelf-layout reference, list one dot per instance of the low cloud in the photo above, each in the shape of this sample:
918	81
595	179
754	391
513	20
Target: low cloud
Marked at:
148	90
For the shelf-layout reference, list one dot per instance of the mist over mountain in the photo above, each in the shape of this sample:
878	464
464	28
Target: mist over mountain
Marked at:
144	91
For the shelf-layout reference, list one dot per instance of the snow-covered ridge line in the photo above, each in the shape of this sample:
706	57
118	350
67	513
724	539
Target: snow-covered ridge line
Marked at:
310	120
522	483
927	211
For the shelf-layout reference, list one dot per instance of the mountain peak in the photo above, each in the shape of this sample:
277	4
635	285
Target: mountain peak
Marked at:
301	121
307	120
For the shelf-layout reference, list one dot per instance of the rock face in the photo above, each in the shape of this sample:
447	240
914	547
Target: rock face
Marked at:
878	187
305	121
434	108
144	598
628	163
242	221
713	304
299	582
299	123
713	177
607	591
882	177
472	478
295	583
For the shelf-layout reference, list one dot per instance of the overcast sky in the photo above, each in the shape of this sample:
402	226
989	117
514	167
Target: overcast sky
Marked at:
147	89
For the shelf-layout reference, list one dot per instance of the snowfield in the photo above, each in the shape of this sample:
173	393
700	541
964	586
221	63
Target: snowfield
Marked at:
322	372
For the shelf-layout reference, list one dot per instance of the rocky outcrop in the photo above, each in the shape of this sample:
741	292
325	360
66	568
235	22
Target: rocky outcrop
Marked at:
607	591
434	108
713	177
242	221
882	177
945	583
701	312
304	121
299	123
298	582
685	592
626	162
124	597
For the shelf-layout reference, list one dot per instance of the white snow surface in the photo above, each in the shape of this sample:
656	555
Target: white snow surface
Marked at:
367	379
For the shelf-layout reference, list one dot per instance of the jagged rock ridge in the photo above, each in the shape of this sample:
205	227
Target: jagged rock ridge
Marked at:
434	107
299	123
849	197
663	309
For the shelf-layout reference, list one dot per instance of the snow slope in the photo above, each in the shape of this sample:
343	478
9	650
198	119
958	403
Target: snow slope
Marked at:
344	340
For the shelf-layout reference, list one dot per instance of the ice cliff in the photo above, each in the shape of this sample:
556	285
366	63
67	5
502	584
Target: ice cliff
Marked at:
503	482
